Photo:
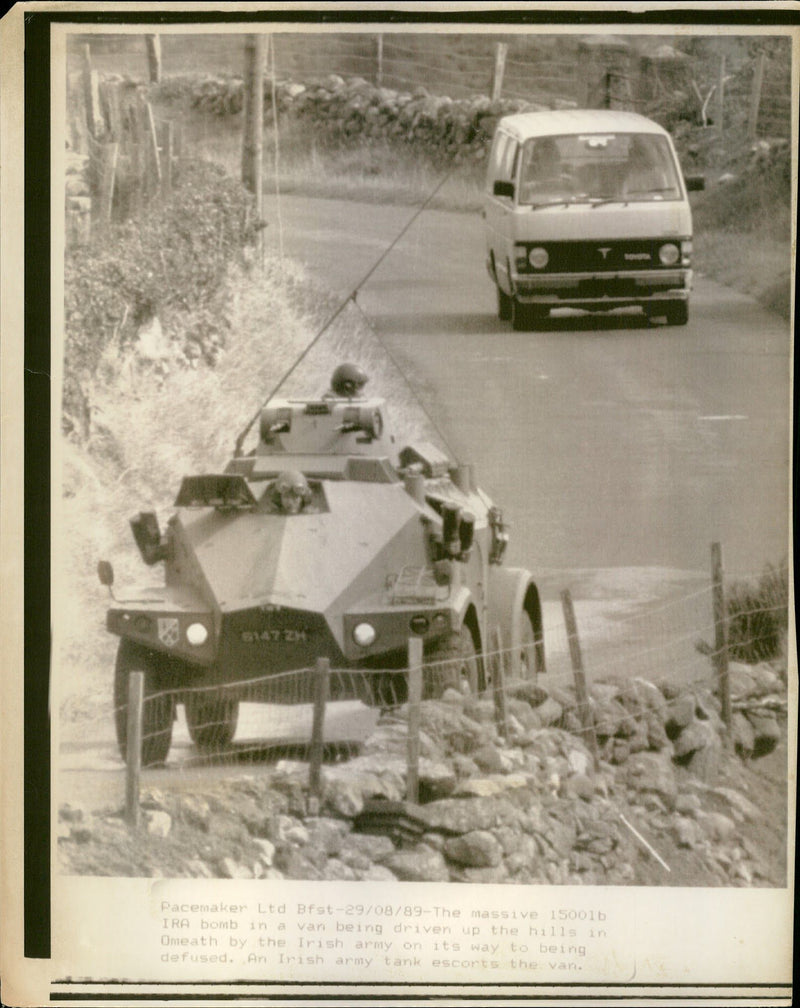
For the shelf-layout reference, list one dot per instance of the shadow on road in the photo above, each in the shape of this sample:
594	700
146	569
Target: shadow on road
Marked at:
483	325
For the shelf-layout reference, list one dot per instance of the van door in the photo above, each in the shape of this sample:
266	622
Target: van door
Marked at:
499	210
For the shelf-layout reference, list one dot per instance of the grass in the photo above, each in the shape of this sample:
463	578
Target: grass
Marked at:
758	616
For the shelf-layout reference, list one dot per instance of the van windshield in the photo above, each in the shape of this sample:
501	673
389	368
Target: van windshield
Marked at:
597	167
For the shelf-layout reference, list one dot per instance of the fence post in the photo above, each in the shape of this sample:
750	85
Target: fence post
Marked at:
134	747
379	60
414	698
321	673
499	69
253	139
755	97
153	43
584	710
499	686
721	96
106	172
720	633
91	93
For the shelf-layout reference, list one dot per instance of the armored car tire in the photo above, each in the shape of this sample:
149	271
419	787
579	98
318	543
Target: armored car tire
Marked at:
158	708
677	312
211	720
452	662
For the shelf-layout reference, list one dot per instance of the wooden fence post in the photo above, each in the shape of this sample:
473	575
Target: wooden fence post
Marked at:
134	747
153	43
499	69
322	671
106	174
755	97
91	94
253	138
584	710
499	686
720	632
721	96
379	60
414	698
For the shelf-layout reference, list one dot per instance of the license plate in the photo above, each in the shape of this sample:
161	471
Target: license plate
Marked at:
289	635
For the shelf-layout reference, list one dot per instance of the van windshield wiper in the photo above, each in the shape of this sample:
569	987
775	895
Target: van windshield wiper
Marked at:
564	201
609	199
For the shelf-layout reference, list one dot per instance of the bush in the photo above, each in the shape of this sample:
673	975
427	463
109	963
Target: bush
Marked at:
173	257
758	616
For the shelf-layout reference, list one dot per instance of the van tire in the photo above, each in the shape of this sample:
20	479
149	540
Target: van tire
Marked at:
503	304
677	312
520	316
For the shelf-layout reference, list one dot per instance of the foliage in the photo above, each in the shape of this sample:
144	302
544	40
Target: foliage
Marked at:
173	257
758	615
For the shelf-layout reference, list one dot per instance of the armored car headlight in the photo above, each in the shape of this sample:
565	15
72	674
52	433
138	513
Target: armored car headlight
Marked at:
196	634
669	254
538	257
364	634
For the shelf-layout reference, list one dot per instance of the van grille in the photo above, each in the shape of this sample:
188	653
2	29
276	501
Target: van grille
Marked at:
600	256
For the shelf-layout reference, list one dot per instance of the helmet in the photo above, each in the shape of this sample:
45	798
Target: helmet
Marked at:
348	380
290	491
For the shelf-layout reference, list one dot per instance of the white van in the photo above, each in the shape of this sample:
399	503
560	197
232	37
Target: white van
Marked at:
587	209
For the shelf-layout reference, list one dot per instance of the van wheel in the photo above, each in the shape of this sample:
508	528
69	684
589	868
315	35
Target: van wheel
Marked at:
211	720
677	312
158	709
452	663
520	316
503	305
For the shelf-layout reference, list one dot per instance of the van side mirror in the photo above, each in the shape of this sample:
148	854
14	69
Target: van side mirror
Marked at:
504	189
105	573
694	183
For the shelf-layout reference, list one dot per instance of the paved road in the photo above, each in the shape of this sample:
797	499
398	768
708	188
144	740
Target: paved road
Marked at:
609	444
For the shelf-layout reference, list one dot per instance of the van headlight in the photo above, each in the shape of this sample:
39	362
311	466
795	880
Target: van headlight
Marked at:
686	253
364	634
538	257
669	254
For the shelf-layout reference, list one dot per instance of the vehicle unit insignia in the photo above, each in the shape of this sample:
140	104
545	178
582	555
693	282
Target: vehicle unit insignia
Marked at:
168	631
604	251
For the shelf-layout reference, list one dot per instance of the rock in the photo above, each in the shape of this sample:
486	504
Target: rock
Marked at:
488	759
581	786
464	766
656	733
484	876
198	869
742	807
609	718
336	871
226	827
460	815
687	803
376	873
454	697
680	714
620	752
267	850
579	761
687	832
695	736
651	697
649	771
705	763
194	811
295	864
492	785
80	834
231	869
717	826
296	834
766	732
477	849
640	740
549	712
482	711
418	864
742	734
766	679
159	823
374	847
530	692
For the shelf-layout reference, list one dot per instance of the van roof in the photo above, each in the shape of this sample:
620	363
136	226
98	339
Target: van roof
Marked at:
532	124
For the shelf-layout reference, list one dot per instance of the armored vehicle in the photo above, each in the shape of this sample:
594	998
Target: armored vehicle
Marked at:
327	539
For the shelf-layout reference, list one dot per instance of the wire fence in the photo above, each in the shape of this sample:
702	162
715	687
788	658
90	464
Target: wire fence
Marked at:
319	713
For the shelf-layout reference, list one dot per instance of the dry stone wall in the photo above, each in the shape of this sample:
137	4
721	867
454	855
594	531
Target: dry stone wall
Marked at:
530	807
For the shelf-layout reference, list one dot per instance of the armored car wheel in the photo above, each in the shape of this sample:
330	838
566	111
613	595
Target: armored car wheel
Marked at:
677	312
211	720
452	662
158	709
520	316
